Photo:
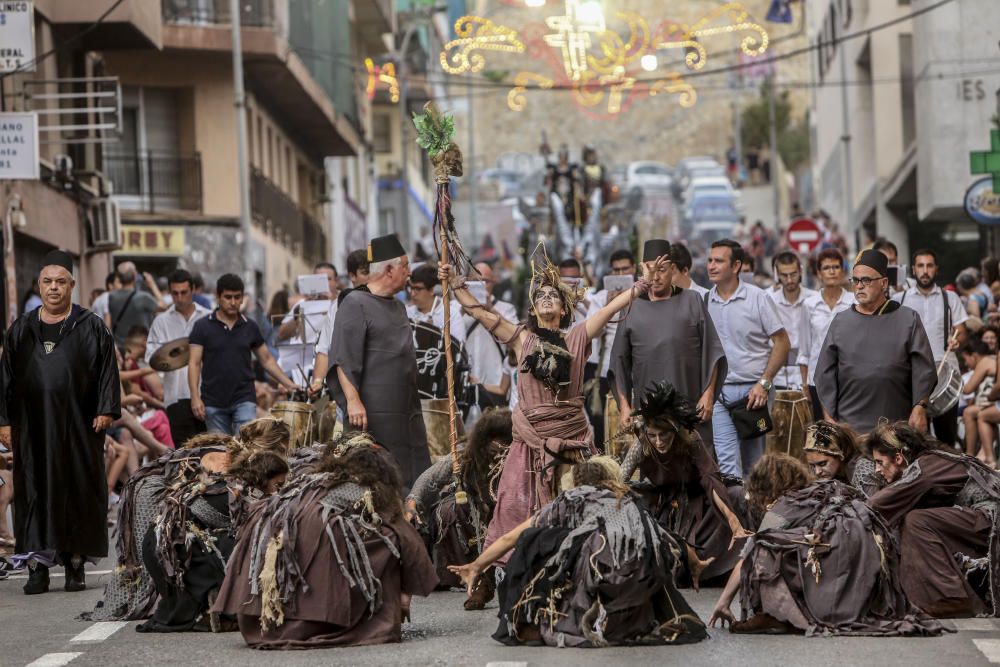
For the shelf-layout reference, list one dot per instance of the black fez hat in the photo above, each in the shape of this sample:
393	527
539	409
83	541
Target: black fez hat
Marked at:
875	260
58	258
654	248
384	248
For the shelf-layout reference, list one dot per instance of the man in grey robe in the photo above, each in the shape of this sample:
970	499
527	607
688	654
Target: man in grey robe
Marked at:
876	361
376	364
668	335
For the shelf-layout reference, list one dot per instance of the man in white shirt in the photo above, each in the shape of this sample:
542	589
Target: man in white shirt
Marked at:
817	313
486	356
173	323
621	263
945	326
789	300
300	328
756	348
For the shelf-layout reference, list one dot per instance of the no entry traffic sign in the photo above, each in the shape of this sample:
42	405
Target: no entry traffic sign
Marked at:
804	235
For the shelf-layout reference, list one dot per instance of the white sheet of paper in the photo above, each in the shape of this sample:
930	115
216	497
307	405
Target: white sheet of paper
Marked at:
313	284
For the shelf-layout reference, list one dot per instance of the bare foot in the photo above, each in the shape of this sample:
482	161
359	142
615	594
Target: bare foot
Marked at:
696	566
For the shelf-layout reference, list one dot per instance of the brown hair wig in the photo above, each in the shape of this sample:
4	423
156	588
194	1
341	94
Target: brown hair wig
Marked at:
265	433
899	438
373	468
256	469
208	440
599	472
773	476
491	434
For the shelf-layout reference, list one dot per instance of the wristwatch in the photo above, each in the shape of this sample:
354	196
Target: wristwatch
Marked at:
765	383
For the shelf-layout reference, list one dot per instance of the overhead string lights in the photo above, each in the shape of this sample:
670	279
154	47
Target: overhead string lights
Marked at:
601	67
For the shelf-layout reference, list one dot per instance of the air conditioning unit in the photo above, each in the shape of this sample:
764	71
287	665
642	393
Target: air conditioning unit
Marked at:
105	223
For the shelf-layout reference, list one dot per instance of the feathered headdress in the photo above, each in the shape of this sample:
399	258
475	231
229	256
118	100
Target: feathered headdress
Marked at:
662	400
546	274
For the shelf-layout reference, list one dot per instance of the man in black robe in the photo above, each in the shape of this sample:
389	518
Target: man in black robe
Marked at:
60	392
668	336
876	361
376	364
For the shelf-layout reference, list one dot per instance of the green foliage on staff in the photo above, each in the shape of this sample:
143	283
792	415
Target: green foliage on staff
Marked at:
435	130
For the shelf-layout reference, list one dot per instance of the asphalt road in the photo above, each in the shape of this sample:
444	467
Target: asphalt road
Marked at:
41	630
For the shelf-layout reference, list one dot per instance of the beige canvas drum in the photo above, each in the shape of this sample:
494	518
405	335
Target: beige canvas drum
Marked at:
614	446
325	424
791	414
299	417
946	391
436	421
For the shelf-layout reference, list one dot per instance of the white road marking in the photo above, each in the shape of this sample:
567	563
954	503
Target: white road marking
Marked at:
54	659
974	624
506	664
98	632
990	648
53	575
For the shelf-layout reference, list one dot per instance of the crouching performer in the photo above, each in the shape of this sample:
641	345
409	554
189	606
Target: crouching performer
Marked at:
822	563
330	560
591	569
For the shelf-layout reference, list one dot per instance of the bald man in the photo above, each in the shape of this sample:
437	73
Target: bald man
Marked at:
59	392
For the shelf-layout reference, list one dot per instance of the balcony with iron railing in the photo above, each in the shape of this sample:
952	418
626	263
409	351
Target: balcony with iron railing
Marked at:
254	13
279	214
155	181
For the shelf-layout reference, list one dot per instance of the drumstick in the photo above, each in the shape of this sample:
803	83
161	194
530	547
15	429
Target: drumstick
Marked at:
944	358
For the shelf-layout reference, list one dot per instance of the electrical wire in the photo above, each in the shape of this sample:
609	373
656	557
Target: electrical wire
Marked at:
69	40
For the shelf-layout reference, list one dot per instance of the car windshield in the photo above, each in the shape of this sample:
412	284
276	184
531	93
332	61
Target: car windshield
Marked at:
652	169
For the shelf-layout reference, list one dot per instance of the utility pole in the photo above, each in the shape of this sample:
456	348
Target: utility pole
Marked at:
845	138
774	156
242	162
404	126
470	172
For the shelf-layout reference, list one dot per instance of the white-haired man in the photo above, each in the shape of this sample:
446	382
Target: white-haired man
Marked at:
376	364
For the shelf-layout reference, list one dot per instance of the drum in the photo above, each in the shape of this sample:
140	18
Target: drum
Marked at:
791	414
299	417
325	424
946	391
613	446
436	422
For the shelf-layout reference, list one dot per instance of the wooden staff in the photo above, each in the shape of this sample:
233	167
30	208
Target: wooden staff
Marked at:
461	497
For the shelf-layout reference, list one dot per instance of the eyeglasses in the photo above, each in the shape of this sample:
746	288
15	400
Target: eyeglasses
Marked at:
865	281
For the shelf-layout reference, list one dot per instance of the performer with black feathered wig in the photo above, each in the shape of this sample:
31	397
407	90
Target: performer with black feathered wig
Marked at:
680	482
549	425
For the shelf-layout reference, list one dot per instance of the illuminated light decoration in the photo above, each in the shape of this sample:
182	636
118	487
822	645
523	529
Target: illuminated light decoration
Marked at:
598	66
475	33
516	98
572	34
382	74
675	83
675	35
534	3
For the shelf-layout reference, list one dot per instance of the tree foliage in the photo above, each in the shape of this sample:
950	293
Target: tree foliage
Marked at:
793	136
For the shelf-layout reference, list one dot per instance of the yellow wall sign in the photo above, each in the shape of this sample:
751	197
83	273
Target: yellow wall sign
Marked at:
152	240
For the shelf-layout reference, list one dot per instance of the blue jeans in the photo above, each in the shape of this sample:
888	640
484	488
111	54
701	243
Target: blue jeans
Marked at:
229	420
736	457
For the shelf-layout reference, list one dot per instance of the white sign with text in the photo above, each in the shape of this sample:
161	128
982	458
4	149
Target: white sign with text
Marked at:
17	35
19	146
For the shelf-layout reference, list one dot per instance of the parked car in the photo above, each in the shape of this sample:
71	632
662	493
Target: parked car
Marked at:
715	185
649	175
711	206
709	231
688	164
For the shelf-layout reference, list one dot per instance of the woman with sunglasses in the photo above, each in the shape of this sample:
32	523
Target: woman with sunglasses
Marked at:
680	482
551	430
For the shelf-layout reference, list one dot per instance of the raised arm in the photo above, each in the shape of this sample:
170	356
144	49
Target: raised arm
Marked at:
506	332
595	323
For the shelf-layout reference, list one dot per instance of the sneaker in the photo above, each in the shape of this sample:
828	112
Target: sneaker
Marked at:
38	579
75	579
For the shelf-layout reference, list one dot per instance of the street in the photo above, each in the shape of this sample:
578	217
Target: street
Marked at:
41	630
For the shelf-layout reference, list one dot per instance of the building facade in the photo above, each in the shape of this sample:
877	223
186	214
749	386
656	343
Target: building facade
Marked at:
895	114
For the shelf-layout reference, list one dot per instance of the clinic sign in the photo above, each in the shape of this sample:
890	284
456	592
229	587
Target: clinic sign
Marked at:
17	35
19	146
